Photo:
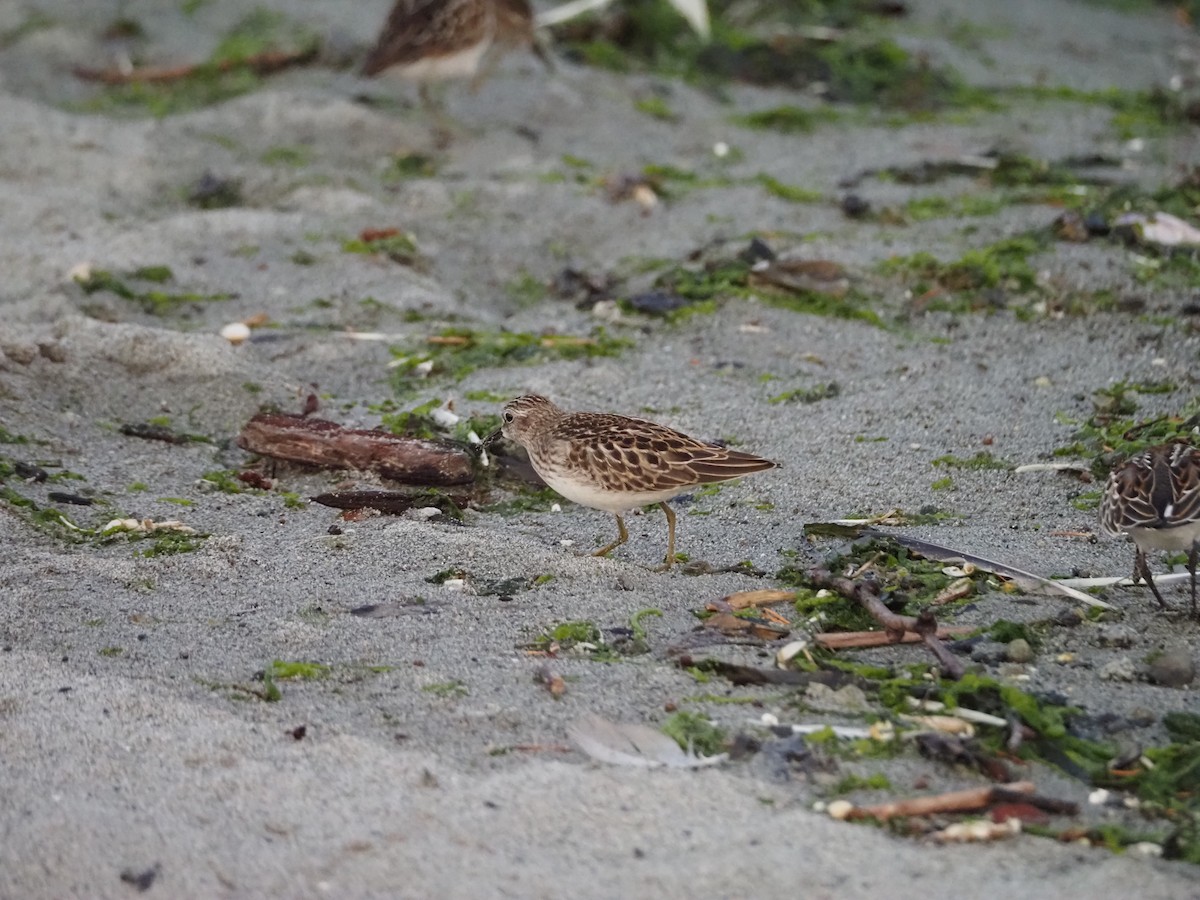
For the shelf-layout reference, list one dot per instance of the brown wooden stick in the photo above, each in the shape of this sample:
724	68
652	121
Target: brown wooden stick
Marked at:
866	594
1004	793
848	640
970	800
262	63
317	442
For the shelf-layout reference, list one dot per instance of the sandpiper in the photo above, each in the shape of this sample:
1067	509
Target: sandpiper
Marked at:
617	463
434	40
1154	497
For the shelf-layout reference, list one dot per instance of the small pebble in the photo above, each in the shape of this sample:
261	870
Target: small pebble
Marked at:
20	353
1097	224
236	332
53	351
1019	650
1142	717
1117	636
846	699
854	206
989	652
1121	669
1068	618
1174	668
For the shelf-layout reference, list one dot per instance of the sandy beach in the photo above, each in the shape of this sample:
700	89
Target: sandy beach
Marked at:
418	752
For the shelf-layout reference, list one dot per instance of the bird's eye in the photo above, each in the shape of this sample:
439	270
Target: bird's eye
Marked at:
508	417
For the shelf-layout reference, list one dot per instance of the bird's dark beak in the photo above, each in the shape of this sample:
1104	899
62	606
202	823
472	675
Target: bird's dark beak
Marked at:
491	438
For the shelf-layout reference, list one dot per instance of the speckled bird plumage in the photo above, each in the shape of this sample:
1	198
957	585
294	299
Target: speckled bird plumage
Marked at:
430	40
1154	497
618	463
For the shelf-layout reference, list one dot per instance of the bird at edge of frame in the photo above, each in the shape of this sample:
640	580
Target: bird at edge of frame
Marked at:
618	463
434	41
1154	497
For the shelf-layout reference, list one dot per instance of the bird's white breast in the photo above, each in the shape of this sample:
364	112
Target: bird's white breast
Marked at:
591	494
462	64
1175	539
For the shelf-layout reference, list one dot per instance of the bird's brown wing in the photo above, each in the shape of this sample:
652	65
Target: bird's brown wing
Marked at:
1158	488
1126	501
645	456
418	29
1185	484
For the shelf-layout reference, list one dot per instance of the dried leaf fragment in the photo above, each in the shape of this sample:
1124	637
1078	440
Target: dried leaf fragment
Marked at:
729	624
747	599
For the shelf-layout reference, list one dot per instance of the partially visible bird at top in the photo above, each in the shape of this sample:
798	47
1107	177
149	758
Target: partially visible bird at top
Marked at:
432	41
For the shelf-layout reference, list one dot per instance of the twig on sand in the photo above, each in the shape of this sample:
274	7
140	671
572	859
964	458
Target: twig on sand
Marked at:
848	640
969	800
262	63
866	594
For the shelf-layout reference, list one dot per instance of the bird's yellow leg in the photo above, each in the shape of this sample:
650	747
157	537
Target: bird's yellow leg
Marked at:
622	537
670	557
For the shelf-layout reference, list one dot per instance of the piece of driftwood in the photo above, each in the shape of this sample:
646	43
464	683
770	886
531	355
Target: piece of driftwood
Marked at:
845	640
317	442
970	800
263	63
866	594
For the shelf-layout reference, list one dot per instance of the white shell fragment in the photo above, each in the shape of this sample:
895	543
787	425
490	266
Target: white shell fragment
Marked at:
962	712
236	333
81	271
445	418
880	731
645	197
840	809
978	830
786	653
144	526
963	571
